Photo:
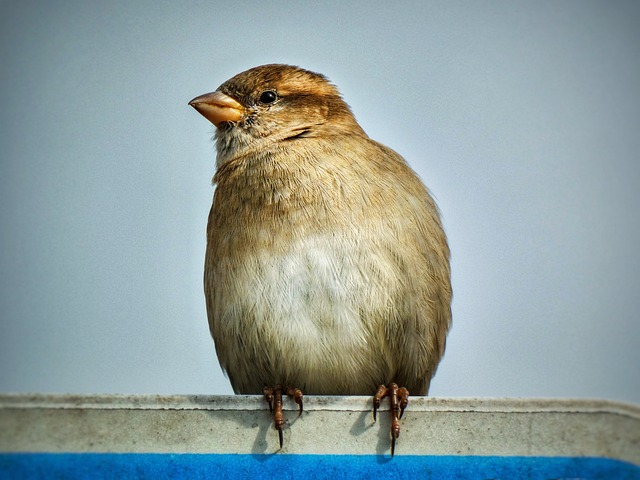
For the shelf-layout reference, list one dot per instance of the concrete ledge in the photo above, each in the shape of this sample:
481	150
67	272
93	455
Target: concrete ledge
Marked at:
329	425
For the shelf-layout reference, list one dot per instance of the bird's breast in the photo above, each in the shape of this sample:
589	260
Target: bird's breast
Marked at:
307	311
306	271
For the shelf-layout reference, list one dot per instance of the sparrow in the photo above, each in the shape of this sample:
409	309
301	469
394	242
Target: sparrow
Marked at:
327	266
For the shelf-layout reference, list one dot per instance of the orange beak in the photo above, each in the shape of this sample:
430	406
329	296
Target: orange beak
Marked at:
218	108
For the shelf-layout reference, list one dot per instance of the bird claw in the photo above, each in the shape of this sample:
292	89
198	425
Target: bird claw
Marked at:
393	443
377	398
297	396
398	399
273	396
268	396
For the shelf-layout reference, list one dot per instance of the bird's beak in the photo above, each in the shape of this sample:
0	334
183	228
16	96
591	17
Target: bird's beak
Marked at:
218	108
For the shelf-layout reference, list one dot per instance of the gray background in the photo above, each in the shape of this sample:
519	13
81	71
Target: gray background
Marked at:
522	118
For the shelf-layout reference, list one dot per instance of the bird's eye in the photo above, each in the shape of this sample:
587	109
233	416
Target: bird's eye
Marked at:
268	96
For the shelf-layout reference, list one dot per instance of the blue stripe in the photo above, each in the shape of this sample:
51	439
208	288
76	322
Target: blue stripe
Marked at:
282	466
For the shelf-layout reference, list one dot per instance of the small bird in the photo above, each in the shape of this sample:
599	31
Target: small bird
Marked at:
327	267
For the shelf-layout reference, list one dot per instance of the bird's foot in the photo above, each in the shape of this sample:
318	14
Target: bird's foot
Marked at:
399	399
273	396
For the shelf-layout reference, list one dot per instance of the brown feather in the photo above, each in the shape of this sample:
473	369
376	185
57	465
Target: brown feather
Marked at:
327	266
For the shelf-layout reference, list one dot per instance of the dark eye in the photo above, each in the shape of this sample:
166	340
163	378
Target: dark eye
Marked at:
268	96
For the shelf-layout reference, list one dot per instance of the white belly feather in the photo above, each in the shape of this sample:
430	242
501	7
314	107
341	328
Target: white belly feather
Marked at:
311	297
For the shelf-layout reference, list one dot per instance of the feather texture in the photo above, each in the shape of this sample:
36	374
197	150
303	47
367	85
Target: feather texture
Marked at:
327	266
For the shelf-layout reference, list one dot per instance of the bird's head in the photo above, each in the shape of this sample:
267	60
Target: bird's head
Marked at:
272	104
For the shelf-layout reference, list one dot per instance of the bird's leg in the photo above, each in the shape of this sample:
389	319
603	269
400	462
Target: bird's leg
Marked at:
398	400
273	396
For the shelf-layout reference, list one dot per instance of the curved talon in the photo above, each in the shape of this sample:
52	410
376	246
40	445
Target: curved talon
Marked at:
280	436
398	400
297	396
380	394
273	396
403	396
268	396
393	443
278	418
